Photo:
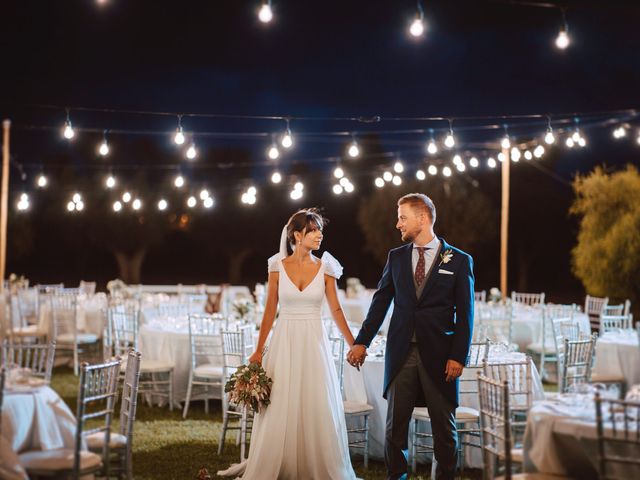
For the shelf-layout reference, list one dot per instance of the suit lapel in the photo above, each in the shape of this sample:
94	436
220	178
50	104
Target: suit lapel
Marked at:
433	275
408	267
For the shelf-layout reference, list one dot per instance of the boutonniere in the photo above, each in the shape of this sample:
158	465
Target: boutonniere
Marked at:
446	256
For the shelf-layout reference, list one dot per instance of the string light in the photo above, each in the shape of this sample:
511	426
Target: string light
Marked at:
457	159
287	138
420	175
473	162
126	197
338	172
68	131
433	170
276	177
397	180
461	167
103	149
501	157
563	40
42	181
378	182
354	148
136	204
505	143
117	206
76	204
192	153
162	205
515	154
446	171
528	155
432	148
23	203
538	152
449	140
265	14
272	152
179	136
638	138
416	29
569	142
387	176
191	201
249	197
110	182
208	202
297	192
349	188
491	162
620	132
178	181
337	189
204	194
549	138
398	167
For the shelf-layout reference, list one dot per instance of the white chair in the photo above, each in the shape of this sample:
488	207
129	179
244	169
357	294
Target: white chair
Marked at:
618	436
609	323
206	369
593	307
38	358
121	443
49	287
156	376
235	348
467	419
480	296
87	288
574	362
96	402
500	324
26	326
66	333
173	309
529	299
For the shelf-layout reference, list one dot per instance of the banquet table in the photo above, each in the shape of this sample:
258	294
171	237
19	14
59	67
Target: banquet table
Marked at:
618	352
561	438
366	386
34	418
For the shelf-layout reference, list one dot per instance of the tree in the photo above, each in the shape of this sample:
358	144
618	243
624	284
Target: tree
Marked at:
464	215
606	257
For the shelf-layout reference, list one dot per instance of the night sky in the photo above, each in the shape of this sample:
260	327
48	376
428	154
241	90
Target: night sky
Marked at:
316	59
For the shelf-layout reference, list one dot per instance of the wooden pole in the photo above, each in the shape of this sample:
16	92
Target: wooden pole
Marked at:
504	223
4	201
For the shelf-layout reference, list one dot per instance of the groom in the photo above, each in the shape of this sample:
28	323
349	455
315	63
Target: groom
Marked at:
431	285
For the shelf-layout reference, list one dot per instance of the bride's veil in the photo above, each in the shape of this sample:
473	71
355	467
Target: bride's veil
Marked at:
283	243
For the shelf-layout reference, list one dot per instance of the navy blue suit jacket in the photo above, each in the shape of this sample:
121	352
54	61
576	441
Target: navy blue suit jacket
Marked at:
442	317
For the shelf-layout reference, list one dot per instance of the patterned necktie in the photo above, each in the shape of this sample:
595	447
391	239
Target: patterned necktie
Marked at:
420	273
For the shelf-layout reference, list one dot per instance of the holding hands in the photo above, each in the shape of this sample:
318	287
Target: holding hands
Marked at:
357	355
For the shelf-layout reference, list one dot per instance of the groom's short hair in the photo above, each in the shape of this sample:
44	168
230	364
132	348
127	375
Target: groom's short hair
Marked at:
420	202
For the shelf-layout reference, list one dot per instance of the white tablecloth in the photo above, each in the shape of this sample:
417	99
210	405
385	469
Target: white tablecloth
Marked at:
561	438
616	353
366	386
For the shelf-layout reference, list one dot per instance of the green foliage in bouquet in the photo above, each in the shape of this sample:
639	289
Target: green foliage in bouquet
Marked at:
249	386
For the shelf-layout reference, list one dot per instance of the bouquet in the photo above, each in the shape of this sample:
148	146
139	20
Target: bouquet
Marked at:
249	387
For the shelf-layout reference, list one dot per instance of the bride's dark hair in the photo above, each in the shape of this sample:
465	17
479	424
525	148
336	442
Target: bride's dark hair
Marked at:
307	218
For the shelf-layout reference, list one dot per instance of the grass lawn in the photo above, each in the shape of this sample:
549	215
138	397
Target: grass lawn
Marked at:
166	446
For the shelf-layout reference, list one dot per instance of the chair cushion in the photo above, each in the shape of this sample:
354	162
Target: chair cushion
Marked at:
28	331
80	338
463	414
149	366
95	441
208	370
58	460
353	408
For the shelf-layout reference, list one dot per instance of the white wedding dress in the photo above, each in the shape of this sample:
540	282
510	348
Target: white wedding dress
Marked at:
302	434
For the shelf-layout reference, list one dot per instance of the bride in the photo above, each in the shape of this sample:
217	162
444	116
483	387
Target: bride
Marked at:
302	433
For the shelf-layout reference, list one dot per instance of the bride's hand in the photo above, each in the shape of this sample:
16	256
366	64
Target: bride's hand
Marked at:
256	357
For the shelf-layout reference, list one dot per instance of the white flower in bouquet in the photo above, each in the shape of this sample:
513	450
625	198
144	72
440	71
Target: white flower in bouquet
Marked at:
250	387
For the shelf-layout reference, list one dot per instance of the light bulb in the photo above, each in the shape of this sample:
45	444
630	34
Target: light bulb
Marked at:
538	152
344	181
298	186
461	167
449	141
42	181
397	180
620	132
179	137
276	177
446	171
68	132
515	154
505	143
208	202
252	191
638	139
137	204
296	194
398	167
387	176
110	182
528	155
549	138
179	181
265	15
576	136
569	142
491	162
432	148
287	139
126	197
204	194
457	159
79	206
582	142
273	153
473	162
337	189
192	152
104	149
76	198
24	197
349	188
378	182
433	170
420	175
71	206
562	40
417	27
501	157
354	150
191	201
338	172
162	204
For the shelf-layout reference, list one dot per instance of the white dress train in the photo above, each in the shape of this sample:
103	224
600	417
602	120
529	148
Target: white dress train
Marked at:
302	434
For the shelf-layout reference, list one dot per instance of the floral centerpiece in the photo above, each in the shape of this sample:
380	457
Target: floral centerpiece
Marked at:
17	282
117	288
249	386
495	295
242	307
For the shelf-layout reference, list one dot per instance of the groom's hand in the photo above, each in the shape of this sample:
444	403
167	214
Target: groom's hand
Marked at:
453	370
356	355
